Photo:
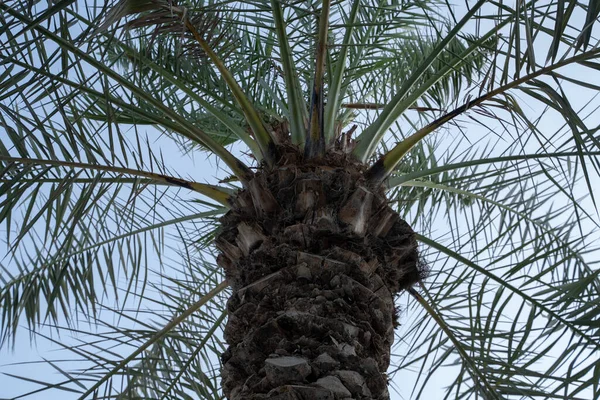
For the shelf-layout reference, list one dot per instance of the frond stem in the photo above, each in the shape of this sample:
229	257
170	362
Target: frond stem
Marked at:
370	137
455	341
179	125
157	336
218	114
388	162
315	140
216	193
195	353
335	86
399	180
551	313
296	106
379	106
265	139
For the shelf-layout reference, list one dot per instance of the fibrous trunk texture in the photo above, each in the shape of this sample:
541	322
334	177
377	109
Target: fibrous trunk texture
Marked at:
315	258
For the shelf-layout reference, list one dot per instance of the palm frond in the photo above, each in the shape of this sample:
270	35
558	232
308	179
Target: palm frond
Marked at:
511	251
535	28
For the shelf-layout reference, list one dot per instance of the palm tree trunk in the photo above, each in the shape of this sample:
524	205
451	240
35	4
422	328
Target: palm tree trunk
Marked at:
314	258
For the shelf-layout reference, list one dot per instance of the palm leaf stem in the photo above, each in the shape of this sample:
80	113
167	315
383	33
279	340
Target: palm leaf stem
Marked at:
192	357
266	141
182	126
296	106
370	138
485	272
401	179
335	86
40	269
388	162
218	114
88	181
152	118
474	371
358	57
157	336
153	356
213	192
544	228
378	106
315	140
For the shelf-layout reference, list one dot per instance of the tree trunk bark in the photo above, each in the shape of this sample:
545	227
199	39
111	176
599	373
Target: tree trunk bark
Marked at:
314	258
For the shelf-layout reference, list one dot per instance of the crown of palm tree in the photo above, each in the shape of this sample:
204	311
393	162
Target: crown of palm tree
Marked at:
478	119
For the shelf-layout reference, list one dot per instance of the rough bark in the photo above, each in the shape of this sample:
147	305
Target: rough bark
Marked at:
314	258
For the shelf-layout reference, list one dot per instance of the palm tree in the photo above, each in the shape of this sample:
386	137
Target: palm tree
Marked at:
385	161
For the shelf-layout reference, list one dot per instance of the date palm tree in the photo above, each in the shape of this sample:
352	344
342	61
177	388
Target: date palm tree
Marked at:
401	197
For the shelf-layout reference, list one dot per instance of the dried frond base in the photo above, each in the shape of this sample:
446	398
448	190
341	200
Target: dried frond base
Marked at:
314	258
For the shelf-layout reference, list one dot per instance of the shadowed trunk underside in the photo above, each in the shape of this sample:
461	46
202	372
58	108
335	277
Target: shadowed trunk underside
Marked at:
314	258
